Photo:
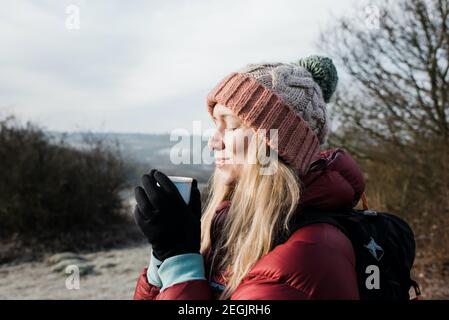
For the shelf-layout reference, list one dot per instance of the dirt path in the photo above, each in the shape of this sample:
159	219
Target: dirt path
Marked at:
111	275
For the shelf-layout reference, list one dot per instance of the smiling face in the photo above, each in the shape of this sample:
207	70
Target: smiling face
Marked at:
229	143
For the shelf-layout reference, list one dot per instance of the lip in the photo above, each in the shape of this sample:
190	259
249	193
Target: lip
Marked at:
219	161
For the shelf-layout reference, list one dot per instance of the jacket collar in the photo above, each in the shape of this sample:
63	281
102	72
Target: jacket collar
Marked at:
334	181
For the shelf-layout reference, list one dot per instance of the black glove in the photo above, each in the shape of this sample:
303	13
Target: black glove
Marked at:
171	226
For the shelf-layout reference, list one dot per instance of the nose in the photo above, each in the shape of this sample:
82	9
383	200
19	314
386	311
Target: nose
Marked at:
216	141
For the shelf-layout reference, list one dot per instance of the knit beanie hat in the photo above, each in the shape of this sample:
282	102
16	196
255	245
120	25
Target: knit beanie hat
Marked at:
288	97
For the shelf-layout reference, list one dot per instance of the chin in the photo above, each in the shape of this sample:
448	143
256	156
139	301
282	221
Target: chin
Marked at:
226	175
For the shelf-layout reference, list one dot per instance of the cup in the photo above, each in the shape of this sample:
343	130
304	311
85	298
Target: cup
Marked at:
184	186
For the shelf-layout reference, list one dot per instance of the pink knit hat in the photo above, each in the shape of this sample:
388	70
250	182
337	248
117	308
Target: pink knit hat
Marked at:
287	97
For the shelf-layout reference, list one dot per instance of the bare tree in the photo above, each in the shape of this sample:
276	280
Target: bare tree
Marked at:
398	82
392	110
392	103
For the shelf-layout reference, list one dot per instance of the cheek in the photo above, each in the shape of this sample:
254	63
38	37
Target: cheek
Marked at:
237	143
229	142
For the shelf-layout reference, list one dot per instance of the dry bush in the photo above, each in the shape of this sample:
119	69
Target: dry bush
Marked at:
53	195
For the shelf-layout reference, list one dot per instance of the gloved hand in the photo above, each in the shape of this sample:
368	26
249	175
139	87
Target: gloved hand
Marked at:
171	226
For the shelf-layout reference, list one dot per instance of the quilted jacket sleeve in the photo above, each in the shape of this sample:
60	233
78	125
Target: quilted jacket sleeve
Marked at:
191	290
177	278
317	262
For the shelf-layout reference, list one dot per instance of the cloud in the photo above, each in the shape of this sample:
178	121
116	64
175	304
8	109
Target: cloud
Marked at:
141	66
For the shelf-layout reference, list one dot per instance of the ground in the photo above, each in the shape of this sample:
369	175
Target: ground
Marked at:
113	276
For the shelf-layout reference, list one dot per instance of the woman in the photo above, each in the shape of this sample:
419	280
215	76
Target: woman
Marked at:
241	246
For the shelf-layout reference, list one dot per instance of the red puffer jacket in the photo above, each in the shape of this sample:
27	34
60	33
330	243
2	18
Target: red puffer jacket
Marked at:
316	262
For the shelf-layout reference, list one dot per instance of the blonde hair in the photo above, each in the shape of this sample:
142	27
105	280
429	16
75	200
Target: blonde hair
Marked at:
261	207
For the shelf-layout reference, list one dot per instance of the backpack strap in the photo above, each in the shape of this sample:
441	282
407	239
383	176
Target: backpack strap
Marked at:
310	217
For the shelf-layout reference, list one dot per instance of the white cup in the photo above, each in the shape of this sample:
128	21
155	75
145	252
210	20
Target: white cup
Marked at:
184	186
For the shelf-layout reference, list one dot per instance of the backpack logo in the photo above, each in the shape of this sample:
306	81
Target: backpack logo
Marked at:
376	251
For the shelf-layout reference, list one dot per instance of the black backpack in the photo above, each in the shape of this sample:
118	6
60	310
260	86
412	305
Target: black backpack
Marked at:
384	247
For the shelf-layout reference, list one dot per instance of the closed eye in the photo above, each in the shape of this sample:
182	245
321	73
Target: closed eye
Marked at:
234	128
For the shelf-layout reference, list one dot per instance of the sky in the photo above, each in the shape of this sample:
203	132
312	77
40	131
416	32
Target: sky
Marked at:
142	66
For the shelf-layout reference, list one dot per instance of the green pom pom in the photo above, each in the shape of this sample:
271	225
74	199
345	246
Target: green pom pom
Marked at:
323	72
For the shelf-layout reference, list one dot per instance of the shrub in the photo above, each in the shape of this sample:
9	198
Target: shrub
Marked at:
50	189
